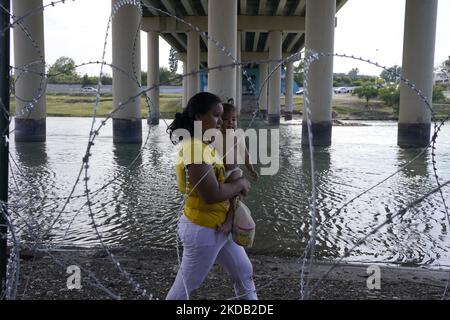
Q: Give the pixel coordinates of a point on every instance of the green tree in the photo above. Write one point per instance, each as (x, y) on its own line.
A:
(143, 78)
(438, 93)
(173, 61)
(88, 81)
(341, 81)
(446, 63)
(367, 92)
(347, 80)
(298, 73)
(85, 80)
(391, 96)
(445, 69)
(63, 71)
(168, 77)
(165, 75)
(392, 74)
(380, 82)
(106, 79)
(353, 74)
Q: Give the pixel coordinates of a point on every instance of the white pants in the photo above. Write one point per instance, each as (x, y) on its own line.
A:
(202, 246)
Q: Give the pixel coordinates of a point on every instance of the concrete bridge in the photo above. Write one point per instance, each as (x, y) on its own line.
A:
(250, 30)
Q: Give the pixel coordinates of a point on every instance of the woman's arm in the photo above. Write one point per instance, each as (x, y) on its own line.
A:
(202, 177)
(249, 165)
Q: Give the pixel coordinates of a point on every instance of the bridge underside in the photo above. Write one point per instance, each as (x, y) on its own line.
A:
(214, 33)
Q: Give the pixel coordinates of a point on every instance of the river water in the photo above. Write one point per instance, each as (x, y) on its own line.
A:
(135, 203)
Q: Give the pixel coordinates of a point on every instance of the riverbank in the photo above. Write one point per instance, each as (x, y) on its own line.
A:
(276, 278)
(344, 106)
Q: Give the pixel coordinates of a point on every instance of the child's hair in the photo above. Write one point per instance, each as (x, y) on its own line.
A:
(199, 103)
(228, 107)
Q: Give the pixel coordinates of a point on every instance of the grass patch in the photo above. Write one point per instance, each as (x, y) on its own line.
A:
(170, 96)
(83, 105)
(345, 107)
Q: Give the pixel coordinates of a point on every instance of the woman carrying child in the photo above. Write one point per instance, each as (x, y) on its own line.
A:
(207, 203)
(232, 148)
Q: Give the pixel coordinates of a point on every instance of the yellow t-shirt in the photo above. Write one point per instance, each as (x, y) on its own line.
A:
(194, 151)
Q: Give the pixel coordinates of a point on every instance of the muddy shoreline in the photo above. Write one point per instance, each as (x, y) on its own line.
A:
(43, 277)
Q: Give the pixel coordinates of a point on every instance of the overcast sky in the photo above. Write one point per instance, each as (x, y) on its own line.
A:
(369, 28)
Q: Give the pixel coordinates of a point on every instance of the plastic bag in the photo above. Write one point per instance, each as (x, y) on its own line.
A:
(243, 231)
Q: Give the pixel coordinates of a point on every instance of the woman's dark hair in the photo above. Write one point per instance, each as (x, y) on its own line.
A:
(198, 104)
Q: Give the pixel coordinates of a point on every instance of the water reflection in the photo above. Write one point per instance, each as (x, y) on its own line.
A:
(31, 155)
(322, 160)
(325, 197)
(34, 176)
(412, 234)
(33, 182)
(160, 215)
(126, 199)
(126, 155)
(419, 167)
(139, 207)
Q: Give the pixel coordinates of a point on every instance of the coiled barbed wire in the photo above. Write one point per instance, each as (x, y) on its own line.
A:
(97, 132)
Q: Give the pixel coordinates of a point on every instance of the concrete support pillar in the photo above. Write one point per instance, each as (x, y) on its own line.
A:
(238, 101)
(185, 86)
(30, 120)
(288, 97)
(263, 90)
(127, 121)
(222, 82)
(417, 66)
(193, 63)
(320, 21)
(153, 75)
(275, 79)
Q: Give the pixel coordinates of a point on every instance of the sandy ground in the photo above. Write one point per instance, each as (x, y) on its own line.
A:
(276, 278)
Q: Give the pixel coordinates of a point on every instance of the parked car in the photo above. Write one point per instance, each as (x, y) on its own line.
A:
(89, 89)
(299, 91)
(342, 90)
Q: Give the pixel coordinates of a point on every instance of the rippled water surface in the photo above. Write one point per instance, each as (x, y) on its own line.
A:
(135, 203)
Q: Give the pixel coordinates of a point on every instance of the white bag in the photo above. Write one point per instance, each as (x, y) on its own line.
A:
(243, 226)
